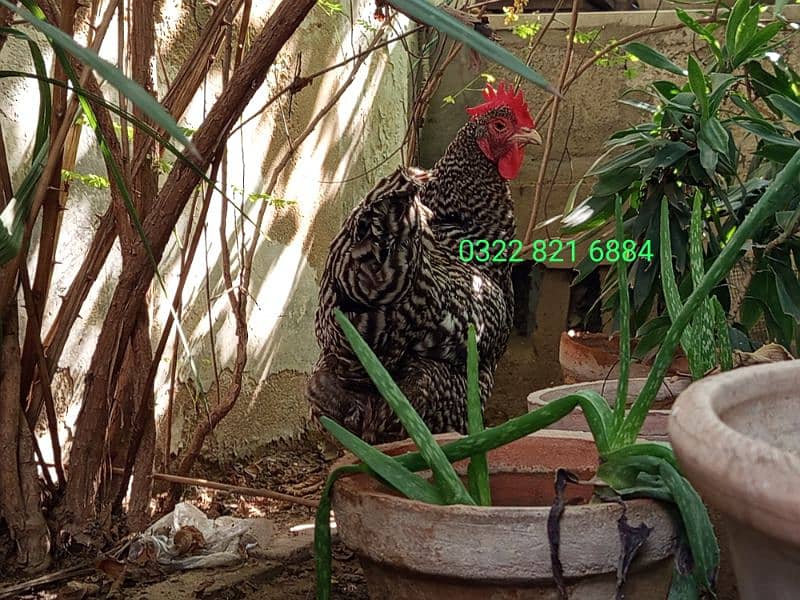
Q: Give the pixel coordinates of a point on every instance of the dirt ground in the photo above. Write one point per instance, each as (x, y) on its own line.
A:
(280, 569)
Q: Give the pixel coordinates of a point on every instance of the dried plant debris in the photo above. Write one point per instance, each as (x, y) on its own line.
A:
(631, 540)
(768, 353)
(554, 528)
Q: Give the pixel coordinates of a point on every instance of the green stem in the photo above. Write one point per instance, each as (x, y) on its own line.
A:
(624, 322)
(478, 470)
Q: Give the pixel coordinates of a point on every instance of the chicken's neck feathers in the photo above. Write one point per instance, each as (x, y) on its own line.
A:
(466, 193)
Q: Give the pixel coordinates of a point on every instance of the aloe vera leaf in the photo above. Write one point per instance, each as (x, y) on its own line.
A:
(478, 470)
(598, 415)
(624, 321)
(447, 480)
(776, 194)
(404, 481)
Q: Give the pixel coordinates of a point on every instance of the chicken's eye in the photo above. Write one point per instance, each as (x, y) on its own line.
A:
(499, 126)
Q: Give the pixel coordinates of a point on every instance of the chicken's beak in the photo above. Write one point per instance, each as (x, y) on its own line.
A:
(527, 136)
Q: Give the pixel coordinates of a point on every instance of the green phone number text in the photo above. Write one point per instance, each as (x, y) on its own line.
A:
(552, 251)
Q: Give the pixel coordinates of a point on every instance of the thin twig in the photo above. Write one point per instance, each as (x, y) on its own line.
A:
(551, 126)
(299, 83)
(236, 489)
(610, 48)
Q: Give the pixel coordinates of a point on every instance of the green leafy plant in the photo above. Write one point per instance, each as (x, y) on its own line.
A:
(691, 157)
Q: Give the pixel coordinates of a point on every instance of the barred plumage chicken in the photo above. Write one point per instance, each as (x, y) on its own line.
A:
(395, 271)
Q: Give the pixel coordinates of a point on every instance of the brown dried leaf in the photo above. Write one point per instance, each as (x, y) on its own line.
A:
(111, 567)
(188, 540)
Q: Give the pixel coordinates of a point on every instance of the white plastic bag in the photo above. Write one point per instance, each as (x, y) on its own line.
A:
(225, 540)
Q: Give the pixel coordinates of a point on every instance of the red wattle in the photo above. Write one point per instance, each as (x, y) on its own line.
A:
(510, 163)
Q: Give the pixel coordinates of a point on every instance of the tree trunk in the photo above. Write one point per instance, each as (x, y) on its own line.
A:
(20, 492)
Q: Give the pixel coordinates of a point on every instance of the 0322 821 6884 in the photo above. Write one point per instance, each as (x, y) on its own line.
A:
(553, 250)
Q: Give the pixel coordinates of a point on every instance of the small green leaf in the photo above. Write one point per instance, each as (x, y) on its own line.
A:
(703, 32)
(788, 291)
(697, 81)
(767, 132)
(720, 82)
(787, 106)
(652, 57)
(589, 214)
(734, 19)
(625, 160)
(715, 134)
(755, 46)
(667, 155)
(708, 157)
(611, 183)
(746, 31)
(666, 89)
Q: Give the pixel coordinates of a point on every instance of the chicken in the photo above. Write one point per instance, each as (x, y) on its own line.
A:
(395, 271)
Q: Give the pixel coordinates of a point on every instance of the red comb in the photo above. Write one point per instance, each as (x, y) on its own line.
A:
(503, 96)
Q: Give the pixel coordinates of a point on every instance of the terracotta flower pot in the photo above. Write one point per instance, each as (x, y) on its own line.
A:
(589, 356)
(737, 438)
(415, 551)
(655, 424)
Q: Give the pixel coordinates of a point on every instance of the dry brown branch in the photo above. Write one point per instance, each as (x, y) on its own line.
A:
(6, 189)
(539, 39)
(298, 83)
(239, 302)
(140, 449)
(19, 484)
(15, 590)
(551, 125)
(50, 221)
(176, 101)
(41, 363)
(236, 489)
(77, 506)
(423, 101)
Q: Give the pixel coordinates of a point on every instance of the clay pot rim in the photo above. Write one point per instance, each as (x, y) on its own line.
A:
(535, 398)
(393, 499)
(723, 463)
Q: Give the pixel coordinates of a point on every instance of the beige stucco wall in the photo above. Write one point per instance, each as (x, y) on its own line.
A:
(325, 179)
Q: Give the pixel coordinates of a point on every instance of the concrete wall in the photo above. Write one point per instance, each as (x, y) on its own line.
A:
(327, 176)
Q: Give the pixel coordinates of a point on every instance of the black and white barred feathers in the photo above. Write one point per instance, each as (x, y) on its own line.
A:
(394, 270)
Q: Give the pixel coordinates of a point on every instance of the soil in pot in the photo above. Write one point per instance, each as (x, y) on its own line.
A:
(411, 550)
